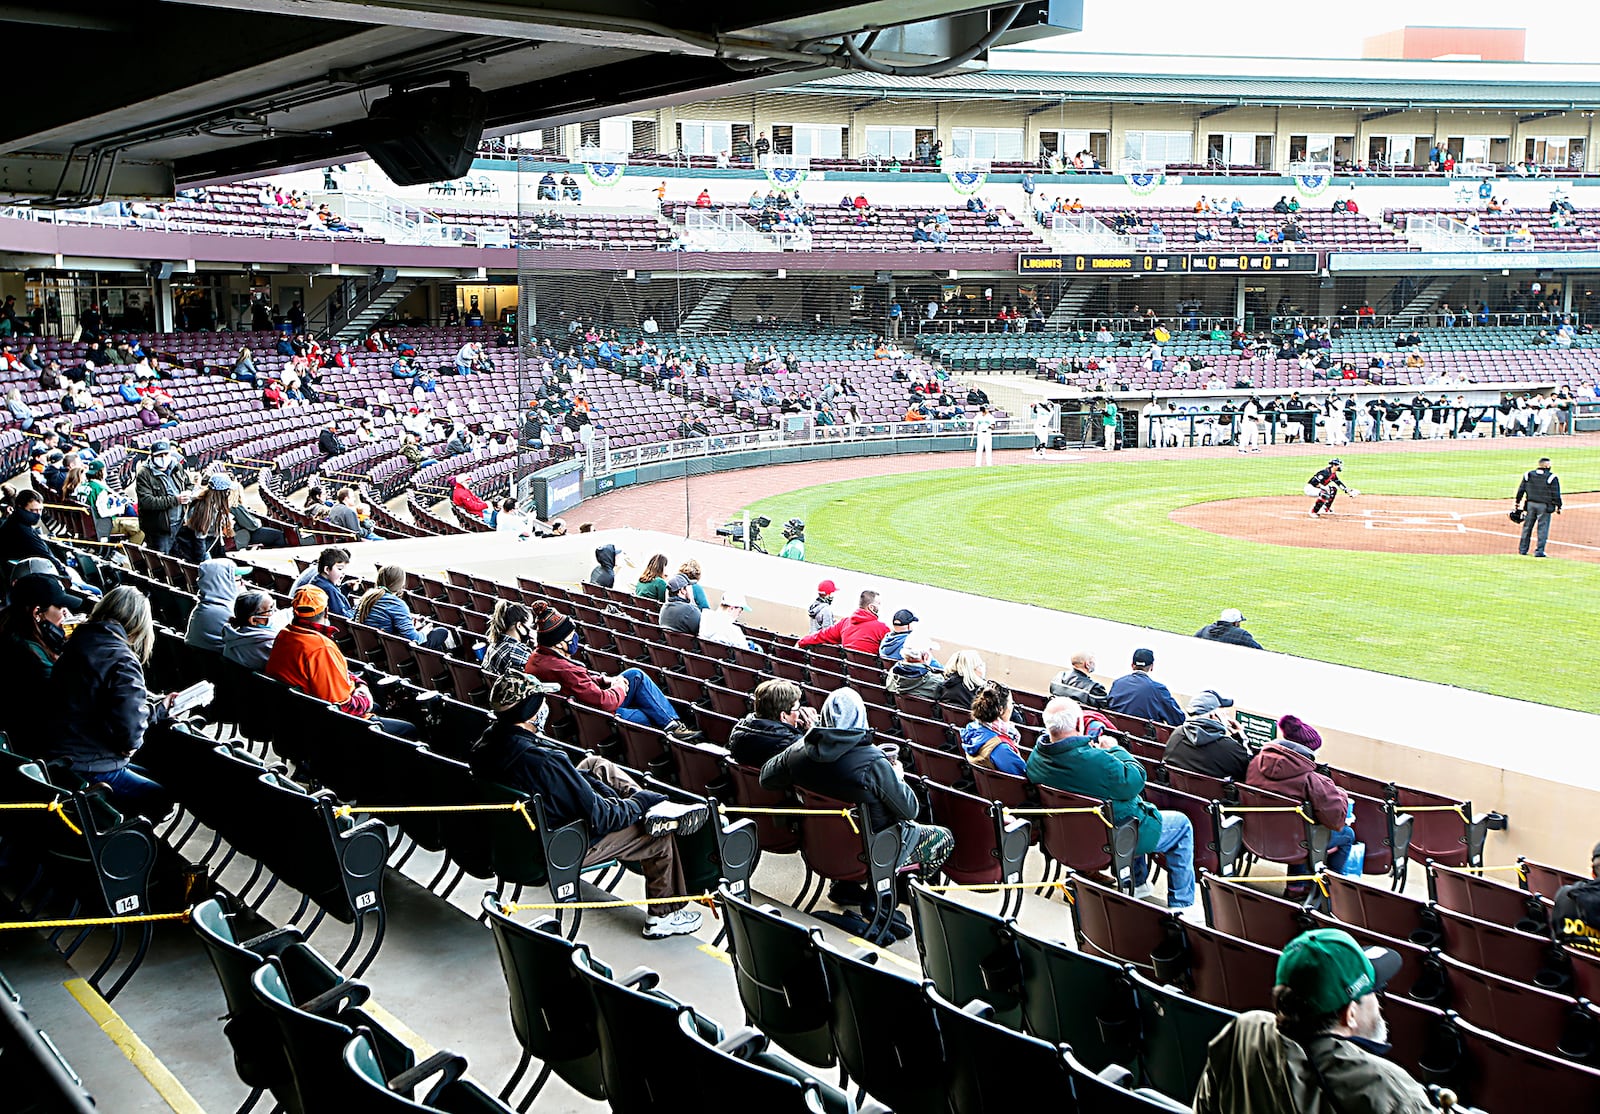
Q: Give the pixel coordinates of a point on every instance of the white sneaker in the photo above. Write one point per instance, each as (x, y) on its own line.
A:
(1144, 891)
(675, 816)
(679, 922)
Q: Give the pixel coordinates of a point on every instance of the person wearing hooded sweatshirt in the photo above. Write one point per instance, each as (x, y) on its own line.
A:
(305, 657)
(862, 631)
(1229, 628)
(837, 758)
(780, 719)
(625, 821)
(991, 739)
(630, 695)
(218, 586)
(604, 572)
(916, 673)
(1095, 765)
(821, 609)
(1288, 765)
(248, 637)
(1205, 743)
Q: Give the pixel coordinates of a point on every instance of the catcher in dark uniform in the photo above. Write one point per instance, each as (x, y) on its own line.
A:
(1325, 486)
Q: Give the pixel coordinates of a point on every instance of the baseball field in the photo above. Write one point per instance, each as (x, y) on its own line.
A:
(1412, 578)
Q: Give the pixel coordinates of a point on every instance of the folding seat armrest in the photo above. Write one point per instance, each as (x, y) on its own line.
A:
(743, 1042)
(274, 942)
(1116, 1075)
(336, 999)
(448, 1066)
(641, 978)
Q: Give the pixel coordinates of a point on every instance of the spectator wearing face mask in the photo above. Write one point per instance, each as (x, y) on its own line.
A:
(162, 486)
(630, 695)
(20, 536)
(31, 639)
(247, 639)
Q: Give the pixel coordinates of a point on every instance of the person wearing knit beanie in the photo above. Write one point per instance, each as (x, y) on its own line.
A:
(1297, 730)
(630, 695)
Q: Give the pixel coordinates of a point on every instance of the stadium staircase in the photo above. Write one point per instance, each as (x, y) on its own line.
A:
(1428, 297)
(711, 310)
(381, 298)
(1075, 296)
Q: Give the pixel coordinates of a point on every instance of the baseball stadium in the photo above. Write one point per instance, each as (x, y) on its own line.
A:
(850, 558)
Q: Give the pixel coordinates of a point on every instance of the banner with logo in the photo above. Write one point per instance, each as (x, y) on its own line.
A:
(786, 171)
(1311, 180)
(966, 176)
(604, 169)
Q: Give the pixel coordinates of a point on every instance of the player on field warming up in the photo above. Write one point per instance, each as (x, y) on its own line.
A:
(1325, 486)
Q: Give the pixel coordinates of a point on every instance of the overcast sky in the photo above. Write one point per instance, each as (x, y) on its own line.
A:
(1560, 32)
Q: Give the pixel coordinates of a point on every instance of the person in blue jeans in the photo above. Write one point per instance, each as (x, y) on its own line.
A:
(1090, 762)
(630, 695)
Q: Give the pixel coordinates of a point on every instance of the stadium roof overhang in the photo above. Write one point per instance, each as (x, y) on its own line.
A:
(1371, 93)
(182, 92)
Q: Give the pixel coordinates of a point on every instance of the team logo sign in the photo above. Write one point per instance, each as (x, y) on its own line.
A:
(1141, 183)
(966, 176)
(604, 174)
(786, 170)
(1312, 185)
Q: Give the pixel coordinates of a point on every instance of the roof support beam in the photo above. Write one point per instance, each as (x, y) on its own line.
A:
(1381, 113)
(1531, 117)
(1216, 110)
(39, 177)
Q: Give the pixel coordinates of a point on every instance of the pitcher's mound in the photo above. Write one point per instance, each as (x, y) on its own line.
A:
(1395, 524)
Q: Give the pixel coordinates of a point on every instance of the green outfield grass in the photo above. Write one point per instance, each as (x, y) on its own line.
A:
(1096, 539)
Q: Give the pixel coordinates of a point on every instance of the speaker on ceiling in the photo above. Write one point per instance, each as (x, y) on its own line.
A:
(417, 136)
(388, 274)
(159, 270)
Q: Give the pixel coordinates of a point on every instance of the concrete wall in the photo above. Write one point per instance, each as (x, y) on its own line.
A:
(1530, 761)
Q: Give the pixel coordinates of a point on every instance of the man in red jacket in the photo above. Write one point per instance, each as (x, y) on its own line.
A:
(862, 631)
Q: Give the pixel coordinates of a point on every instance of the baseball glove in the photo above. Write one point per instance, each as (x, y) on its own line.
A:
(1516, 514)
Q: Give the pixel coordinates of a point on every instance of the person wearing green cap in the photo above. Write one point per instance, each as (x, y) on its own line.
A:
(1321, 1051)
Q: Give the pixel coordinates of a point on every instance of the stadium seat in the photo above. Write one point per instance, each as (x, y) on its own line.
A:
(1499, 1074)
(1086, 842)
(1110, 923)
(993, 1067)
(552, 1014)
(1245, 912)
(1071, 997)
(1284, 834)
(1355, 902)
(1228, 971)
(1536, 1018)
(967, 953)
(885, 1033)
(990, 846)
(1218, 842)
(1503, 951)
(1488, 900)
(780, 977)
(1175, 1032)
(364, 1087)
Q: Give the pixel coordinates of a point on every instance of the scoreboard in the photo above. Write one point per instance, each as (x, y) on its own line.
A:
(1140, 263)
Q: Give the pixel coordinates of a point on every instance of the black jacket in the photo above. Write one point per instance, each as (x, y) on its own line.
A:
(98, 701)
(605, 573)
(1231, 633)
(1540, 486)
(1204, 746)
(956, 692)
(1080, 687)
(20, 541)
(843, 763)
(755, 741)
(509, 755)
(329, 444)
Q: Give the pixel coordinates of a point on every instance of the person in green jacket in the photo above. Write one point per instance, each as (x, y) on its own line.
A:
(1094, 765)
(652, 583)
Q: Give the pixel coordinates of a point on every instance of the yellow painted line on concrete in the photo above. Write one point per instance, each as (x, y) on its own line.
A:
(138, 1053)
(400, 1029)
(910, 965)
(717, 953)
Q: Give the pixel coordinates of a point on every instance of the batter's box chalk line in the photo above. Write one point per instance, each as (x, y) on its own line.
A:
(1415, 526)
(1418, 516)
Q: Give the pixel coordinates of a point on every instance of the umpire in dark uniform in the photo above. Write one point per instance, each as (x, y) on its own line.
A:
(1538, 496)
